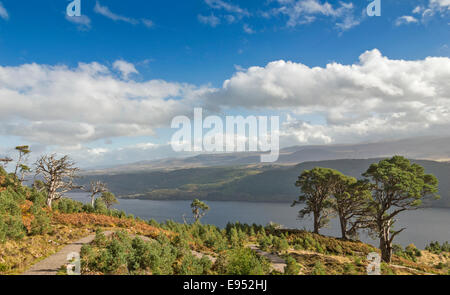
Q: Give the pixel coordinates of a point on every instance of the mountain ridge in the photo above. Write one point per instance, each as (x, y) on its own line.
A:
(423, 148)
(274, 183)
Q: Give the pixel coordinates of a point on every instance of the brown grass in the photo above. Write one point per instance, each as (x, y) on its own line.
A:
(102, 221)
(17, 256)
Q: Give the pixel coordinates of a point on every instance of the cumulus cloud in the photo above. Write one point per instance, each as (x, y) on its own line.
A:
(406, 19)
(58, 105)
(125, 68)
(434, 7)
(376, 96)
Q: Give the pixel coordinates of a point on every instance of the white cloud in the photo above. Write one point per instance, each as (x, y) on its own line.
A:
(348, 22)
(125, 68)
(219, 4)
(418, 10)
(301, 12)
(58, 105)
(375, 98)
(148, 23)
(83, 22)
(210, 20)
(105, 11)
(435, 7)
(3, 12)
(445, 4)
(224, 11)
(248, 29)
(406, 19)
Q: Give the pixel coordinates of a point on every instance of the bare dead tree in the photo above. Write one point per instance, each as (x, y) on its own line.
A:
(58, 175)
(96, 188)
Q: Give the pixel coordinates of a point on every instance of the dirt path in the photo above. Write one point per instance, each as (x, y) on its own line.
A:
(201, 255)
(278, 263)
(52, 264)
(413, 270)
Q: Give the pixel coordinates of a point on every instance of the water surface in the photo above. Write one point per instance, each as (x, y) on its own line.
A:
(423, 226)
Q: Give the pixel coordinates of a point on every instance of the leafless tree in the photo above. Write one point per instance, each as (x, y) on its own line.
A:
(58, 175)
(96, 188)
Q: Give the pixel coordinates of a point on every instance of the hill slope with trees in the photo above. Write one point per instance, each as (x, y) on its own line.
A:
(246, 183)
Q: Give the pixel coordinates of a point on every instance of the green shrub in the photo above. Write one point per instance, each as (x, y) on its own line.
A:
(437, 248)
(88, 208)
(292, 266)
(68, 206)
(244, 261)
(11, 224)
(349, 269)
(100, 207)
(41, 221)
(191, 265)
(319, 269)
(410, 252)
(280, 244)
(120, 254)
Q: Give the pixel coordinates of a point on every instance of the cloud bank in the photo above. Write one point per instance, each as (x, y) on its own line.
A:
(375, 98)
(58, 105)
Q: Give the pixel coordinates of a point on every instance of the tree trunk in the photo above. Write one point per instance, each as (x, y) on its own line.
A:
(93, 200)
(49, 202)
(343, 227)
(316, 223)
(386, 245)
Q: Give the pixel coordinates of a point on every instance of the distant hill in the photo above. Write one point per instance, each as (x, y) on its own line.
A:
(274, 183)
(425, 148)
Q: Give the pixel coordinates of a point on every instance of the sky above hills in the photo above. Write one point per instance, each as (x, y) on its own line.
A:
(105, 86)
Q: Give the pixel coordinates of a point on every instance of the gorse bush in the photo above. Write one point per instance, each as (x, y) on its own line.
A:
(292, 266)
(280, 244)
(319, 269)
(41, 221)
(11, 224)
(410, 252)
(121, 254)
(437, 248)
(242, 261)
(68, 206)
(100, 207)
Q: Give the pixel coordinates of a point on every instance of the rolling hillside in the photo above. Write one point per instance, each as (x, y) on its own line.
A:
(244, 183)
(425, 148)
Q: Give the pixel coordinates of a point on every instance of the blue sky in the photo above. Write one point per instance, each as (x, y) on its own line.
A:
(200, 44)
